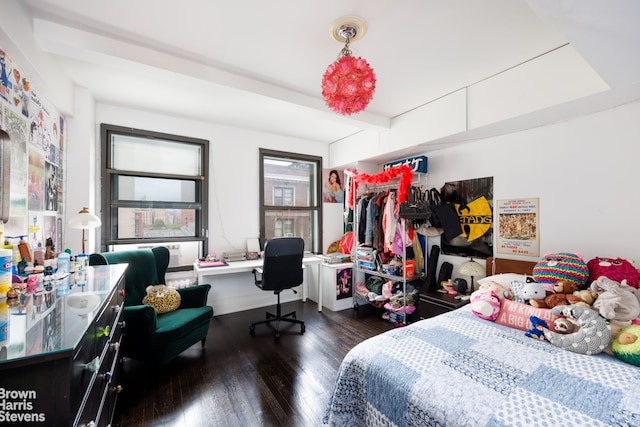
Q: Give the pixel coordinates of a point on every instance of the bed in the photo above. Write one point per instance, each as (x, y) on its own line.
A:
(456, 369)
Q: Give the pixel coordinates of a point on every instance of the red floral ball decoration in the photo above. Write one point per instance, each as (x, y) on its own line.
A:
(348, 85)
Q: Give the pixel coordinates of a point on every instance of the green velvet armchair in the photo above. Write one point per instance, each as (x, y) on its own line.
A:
(147, 336)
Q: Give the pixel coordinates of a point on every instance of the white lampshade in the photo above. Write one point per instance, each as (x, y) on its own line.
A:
(84, 220)
(471, 268)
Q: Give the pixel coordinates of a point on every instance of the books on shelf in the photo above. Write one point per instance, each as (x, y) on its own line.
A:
(336, 258)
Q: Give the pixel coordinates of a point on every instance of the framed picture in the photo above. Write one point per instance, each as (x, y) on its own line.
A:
(473, 200)
(518, 232)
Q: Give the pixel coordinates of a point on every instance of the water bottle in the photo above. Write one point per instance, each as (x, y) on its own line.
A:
(64, 263)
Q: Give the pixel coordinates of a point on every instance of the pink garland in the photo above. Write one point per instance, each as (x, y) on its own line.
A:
(406, 175)
(348, 85)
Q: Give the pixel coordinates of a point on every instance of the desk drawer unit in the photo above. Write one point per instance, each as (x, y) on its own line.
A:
(101, 364)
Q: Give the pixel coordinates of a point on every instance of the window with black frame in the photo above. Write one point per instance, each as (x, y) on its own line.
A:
(291, 197)
(155, 186)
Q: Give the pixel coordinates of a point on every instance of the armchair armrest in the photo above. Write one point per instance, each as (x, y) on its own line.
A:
(140, 320)
(194, 296)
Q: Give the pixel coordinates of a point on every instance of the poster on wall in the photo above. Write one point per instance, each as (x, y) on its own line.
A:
(472, 199)
(518, 232)
(344, 283)
(332, 189)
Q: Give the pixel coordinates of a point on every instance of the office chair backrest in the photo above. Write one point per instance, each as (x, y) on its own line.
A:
(282, 267)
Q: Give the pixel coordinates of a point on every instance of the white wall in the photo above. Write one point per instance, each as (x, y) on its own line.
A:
(233, 192)
(233, 168)
(585, 172)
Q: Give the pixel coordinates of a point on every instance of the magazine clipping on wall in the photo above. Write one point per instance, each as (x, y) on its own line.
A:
(473, 200)
(332, 187)
(518, 232)
(344, 283)
(36, 131)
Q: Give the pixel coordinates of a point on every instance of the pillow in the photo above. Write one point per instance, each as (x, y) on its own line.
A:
(503, 279)
(516, 315)
(162, 298)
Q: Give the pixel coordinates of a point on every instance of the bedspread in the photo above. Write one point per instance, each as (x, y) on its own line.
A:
(459, 370)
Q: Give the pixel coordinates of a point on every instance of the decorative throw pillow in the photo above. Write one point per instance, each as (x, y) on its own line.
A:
(516, 315)
(163, 298)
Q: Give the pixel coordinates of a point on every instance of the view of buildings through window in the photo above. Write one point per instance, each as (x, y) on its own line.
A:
(290, 197)
(146, 208)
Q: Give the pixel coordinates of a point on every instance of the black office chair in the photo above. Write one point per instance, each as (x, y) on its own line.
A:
(281, 269)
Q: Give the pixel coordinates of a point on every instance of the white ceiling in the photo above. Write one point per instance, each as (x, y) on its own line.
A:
(258, 64)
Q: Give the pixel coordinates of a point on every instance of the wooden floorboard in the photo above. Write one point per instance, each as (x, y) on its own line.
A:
(248, 380)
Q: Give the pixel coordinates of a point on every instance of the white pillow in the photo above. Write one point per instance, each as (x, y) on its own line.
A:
(504, 279)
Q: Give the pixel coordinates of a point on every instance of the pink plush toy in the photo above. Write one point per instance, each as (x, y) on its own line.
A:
(485, 304)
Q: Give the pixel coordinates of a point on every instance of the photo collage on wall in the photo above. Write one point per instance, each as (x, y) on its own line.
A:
(37, 133)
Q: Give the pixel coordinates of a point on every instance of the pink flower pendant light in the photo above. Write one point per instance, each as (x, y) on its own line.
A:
(348, 83)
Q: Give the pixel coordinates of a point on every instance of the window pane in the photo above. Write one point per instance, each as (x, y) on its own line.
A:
(155, 155)
(286, 223)
(158, 189)
(288, 182)
(138, 223)
(180, 253)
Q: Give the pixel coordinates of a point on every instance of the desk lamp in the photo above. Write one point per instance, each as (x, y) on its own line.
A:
(471, 268)
(84, 220)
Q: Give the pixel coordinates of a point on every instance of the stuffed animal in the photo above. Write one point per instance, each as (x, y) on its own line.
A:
(533, 290)
(591, 337)
(616, 269)
(565, 267)
(626, 345)
(563, 295)
(616, 302)
(485, 304)
(564, 325)
(586, 297)
(537, 328)
(499, 289)
(163, 298)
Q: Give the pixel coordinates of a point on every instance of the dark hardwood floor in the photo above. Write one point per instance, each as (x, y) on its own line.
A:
(245, 380)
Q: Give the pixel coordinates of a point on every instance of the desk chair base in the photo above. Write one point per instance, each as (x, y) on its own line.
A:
(278, 317)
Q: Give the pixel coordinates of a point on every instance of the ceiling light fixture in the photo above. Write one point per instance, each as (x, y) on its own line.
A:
(348, 83)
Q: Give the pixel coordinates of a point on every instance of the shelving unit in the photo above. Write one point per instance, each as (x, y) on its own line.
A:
(360, 273)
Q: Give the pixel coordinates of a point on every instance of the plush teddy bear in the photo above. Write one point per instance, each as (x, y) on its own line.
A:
(163, 298)
(563, 295)
(616, 302)
(586, 297)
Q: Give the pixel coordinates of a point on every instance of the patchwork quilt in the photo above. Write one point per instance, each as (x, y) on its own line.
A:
(459, 370)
